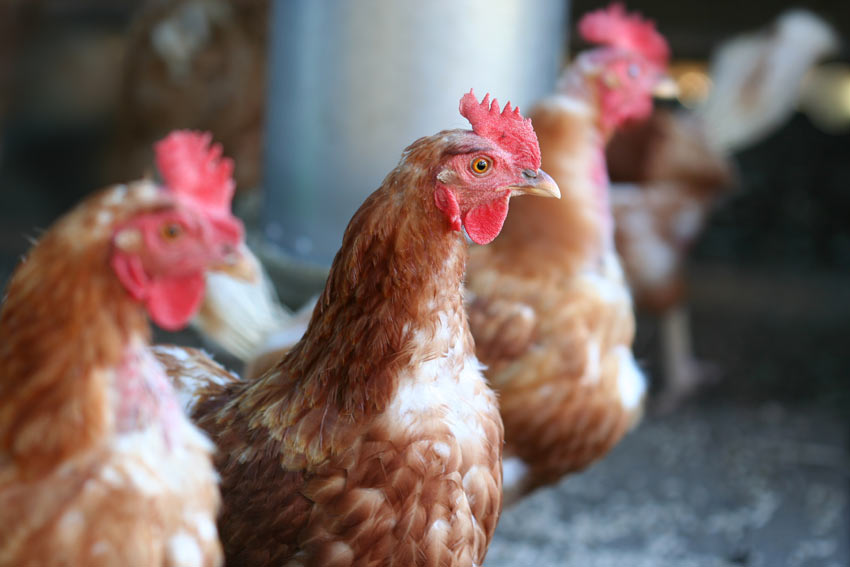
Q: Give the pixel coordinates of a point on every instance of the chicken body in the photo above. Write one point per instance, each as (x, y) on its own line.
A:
(400, 457)
(418, 484)
(98, 465)
(375, 441)
(551, 313)
(673, 170)
(548, 302)
(674, 179)
(410, 471)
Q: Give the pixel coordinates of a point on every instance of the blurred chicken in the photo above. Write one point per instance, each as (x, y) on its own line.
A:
(194, 64)
(98, 465)
(246, 319)
(375, 441)
(757, 79)
(201, 64)
(549, 307)
(676, 166)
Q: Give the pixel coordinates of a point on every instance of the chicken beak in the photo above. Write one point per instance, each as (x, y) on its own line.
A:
(666, 88)
(239, 264)
(537, 183)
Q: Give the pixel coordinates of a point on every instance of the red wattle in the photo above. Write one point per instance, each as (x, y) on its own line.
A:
(172, 302)
(484, 222)
(447, 203)
(131, 274)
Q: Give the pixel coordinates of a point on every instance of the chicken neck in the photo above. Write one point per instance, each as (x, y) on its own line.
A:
(68, 333)
(399, 270)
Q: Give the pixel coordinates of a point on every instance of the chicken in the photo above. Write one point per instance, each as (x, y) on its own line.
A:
(246, 320)
(757, 78)
(202, 64)
(98, 465)
(676, 178)
(675, 167)
(194, 64)
(548, 304)
(376, 441)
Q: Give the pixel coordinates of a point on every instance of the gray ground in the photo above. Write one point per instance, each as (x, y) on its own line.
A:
(714, 485)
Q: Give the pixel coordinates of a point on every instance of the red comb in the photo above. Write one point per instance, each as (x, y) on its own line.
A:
(615, 28)
(192, 167)
(507, 128)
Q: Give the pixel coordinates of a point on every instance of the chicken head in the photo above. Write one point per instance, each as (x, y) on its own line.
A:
(498, 159)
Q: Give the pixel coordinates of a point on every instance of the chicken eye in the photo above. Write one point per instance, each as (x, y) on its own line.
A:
(171, 231)
(480, 165)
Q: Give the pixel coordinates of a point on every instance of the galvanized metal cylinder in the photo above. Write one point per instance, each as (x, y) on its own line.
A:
(354, 82)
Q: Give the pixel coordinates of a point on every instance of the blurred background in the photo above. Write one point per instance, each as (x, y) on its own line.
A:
(315, 101)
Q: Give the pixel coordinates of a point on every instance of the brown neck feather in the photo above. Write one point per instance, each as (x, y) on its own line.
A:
(399, 265)
(65, 322)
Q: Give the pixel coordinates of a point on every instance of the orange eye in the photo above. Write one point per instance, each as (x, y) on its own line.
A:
(480, 165)
(171, 231)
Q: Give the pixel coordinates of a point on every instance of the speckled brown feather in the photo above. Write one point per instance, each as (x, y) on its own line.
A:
(193, 373)
(547, 290)
(321, 464)
(78, 486)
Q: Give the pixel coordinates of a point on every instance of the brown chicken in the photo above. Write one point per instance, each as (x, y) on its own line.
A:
(549, 307)
(376, 441)
(674, 169)
(98, 465)
(676, 178)
(194, 64)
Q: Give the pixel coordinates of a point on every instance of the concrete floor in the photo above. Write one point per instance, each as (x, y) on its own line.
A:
(714, 485)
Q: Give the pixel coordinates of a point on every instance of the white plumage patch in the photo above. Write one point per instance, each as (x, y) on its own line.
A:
(449, 383)
(608, 282)
(569, 104)
(593, 366)
(631, 382)
(116, 195)
(655, 261)
(104, 217)
(514, 471)
(454, 396)
(184, 551)
(203, 525)
(192, 378)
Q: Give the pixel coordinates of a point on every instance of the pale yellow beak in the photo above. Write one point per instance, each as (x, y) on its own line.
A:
(666, 88)
(239, 264)
(539, 184)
